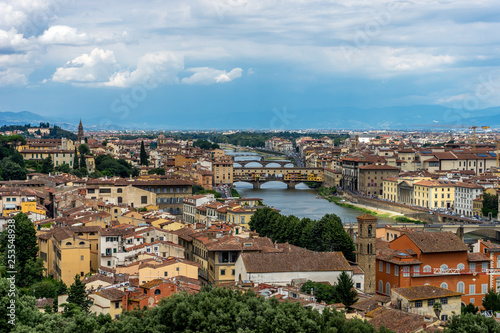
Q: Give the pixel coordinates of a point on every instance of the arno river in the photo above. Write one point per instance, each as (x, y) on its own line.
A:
(301, 202)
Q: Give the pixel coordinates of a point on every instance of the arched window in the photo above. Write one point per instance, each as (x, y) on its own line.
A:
(119, 190)
(461, 287)
(444, 268)
(388, 288)
(381, 286)
(370, 230)
(427, 269)
(81, 243)
(461, 266)
(69, 243)
(157, 292)
(444, 285)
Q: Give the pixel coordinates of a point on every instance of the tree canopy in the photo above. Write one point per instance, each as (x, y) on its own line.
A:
(327, 234)
(211, 310)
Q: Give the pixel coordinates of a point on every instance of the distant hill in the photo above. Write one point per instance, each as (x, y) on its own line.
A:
(394, 117)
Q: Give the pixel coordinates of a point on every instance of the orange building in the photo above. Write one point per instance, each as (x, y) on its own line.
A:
(438, 259)
(148, 294)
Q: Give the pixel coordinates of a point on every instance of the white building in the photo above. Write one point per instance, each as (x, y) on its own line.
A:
(465, 193)
(281, 268)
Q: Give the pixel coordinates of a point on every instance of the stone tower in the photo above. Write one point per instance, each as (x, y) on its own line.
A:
(80, 132)
(367, 235)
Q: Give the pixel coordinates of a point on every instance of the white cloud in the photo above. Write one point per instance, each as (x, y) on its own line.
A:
(152, 69)
(62, 34)
(96, 67)
(13, 40)
(12, 78)
(208, 75)
(99, 68)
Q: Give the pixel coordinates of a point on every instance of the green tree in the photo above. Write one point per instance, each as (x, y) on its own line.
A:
(28, 266)
(470, 308)
(491, 301)
(11, 171)
(47, 165)
(64, 168)
(84, 149)
(437, 307)
(345, 290)
(490, 204)
(83, 162)
(78, 295)
(157, 171)
(143, 155)
(472, 323)
(76, 164)
(323, 292)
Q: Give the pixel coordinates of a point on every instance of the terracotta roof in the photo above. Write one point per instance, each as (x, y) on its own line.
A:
(111, 294)
(377, 167)
(295, 262)
(366, 305)
(476, 257)
(415, 293)
(432, 242)
(396, 320)
(152, 283)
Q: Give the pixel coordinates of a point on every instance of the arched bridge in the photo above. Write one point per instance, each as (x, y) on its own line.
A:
(264, 164)
(289, 176)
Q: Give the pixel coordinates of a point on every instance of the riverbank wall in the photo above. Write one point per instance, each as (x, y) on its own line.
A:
(416, 213)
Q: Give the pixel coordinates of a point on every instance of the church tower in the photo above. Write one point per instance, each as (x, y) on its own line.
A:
(367, 235)
(80, 132)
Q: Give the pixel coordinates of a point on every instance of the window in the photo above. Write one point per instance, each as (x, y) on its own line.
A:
(427, 269)
(105, 190)
(472, 289)
(472, 300)
(431, 302)
(119, 190)
(416, 270)
(444, 268)
(222, 272)
(388, 288)
(165, 274)
(380, 266)
(109, 263)
(117, 305)
(485, 266)
(144, 199)
(406, 271)
(444, 285)
(418, 304)
(380, 286)
(484, 288)
(358, 285)
(461, 287)
(396, 270)
(157, 292)
(472, 266)
(461, 266)
(82, 258)
(233, 272)
(444, 300)
(388, 268)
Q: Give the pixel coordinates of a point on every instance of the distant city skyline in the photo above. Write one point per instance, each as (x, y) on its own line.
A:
(256, 64)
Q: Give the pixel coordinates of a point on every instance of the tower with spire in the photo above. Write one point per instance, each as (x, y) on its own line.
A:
(80, 131)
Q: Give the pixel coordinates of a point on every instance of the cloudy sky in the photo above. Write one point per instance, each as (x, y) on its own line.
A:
(175, 62)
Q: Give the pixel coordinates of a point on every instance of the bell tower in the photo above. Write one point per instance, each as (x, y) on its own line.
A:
(80, 132)
(367, 235)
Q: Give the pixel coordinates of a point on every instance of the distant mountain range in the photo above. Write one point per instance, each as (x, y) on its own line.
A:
(395, 117)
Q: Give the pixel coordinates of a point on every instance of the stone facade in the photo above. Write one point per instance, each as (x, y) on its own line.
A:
(367, 235)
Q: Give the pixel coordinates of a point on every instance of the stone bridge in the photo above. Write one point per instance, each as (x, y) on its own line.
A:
(263, 164)
(289, 176)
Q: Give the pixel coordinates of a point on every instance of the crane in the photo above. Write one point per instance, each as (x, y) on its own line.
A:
(473, 128)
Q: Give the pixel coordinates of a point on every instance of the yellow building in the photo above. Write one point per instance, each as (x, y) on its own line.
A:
(434, 194)
(390, 189)
(71, 255)
(59, 156)
(26, 207)
(172, 267)
(107, 301)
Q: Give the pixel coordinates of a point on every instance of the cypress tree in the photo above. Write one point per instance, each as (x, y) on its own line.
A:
(76, 164)
(77, 294)
(144, 155)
